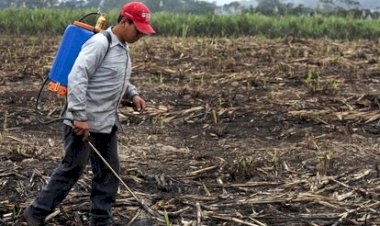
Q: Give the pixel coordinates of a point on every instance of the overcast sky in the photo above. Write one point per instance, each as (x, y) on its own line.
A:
(221, 2)
(310, 3)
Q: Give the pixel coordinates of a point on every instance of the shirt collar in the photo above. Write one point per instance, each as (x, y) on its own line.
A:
(115, 40)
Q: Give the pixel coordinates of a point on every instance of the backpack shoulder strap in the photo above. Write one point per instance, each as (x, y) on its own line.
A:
(109, 38)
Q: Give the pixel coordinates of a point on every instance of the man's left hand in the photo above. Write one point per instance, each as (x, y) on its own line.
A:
(139, 103)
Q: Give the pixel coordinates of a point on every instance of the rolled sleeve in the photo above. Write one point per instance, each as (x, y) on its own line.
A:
(79, 115)
(130, 92)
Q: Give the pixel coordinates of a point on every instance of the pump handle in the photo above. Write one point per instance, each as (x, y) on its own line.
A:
(85, 16)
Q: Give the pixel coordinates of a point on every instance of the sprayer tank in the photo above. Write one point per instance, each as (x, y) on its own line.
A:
(73, 38)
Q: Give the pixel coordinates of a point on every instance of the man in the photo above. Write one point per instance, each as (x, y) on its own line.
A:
(96, 84)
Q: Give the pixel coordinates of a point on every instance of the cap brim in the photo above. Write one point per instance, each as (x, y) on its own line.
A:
(144, 28)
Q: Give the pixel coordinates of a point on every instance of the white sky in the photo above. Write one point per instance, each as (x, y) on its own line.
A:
(220, 2)
(369, 4)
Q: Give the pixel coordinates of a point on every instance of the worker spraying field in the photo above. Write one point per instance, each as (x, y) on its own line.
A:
(92, 70)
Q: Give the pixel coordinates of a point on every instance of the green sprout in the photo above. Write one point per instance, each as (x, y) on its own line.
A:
(214, 116)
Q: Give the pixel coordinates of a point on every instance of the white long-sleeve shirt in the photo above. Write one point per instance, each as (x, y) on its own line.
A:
(98, 81)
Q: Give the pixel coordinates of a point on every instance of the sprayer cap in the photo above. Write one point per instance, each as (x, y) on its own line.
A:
(139, 13)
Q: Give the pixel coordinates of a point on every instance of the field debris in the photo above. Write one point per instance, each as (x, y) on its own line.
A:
(245, 131)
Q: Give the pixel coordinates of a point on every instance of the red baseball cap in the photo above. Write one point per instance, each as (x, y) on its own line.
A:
(140, 15)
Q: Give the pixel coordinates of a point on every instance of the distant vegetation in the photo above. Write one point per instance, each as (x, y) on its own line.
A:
(54, 21)
(265, 7)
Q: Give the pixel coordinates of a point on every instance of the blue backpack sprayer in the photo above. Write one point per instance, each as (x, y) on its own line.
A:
(74, 37)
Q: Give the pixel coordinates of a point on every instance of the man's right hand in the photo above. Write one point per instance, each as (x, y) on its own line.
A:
(81, 128)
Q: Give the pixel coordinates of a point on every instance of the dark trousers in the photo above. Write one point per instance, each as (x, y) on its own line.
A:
(104, 183)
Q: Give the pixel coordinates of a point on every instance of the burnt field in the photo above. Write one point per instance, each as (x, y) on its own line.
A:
(245, 131)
